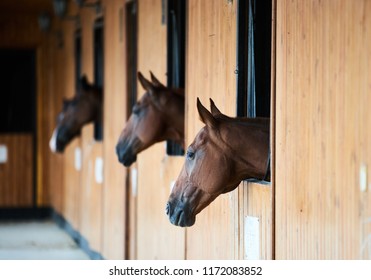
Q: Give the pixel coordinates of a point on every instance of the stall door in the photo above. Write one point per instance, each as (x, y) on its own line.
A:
(17, 128)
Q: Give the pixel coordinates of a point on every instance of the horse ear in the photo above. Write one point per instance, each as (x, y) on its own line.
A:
(206, 117)
(214, 110)
(147, 85)
(66, 102)
(84, 82)
(155, 81)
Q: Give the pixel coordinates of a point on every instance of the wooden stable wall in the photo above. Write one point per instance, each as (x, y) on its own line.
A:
(93, 209)
(156, 238)
(17, 173)
(322, 133)
(219, 232)
(19, 30)
(114, 188)
(323, 129)
(211, 63)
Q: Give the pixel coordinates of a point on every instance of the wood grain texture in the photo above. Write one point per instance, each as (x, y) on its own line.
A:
(211, 64)
(114, 190)
(322, 129)
(72, 176)
(54, 171)
(90, 191)
(19, 31)
(17, 174)
(156, 237)
(91, 202)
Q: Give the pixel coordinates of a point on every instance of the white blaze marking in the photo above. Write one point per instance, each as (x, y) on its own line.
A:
(53, 141)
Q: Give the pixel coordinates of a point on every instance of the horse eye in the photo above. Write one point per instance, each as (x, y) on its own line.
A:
(136, 110)
(190, 155)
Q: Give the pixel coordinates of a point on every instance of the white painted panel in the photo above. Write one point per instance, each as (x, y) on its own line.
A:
(78, 159)
(134, 181)
(98, 171)
(3, 154)
(251, 239)
(363, 178)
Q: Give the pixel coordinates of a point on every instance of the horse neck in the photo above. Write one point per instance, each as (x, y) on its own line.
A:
(248, 145)
(96, 101)
(174, 117)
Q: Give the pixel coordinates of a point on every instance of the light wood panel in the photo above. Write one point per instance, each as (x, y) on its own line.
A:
(256, 201)
(156, 237)
(91, 202)
(211, 64)
(17, 174)
(91, 191)
(72, 176)
(114, 191)
(53, 175)
(323, 129)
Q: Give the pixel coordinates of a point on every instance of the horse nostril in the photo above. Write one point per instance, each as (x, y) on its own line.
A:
(167, 209)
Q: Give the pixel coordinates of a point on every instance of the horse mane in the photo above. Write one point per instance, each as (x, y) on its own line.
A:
(245, 121)
(178, 91)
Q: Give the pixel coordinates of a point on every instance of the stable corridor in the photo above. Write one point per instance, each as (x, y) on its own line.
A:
(37, 240)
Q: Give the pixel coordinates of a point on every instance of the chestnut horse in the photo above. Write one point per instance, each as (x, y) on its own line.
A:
(157, 116)
(85, 107)
(225, 152)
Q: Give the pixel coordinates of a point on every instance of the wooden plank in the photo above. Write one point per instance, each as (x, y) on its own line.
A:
(19, 31)
(72, 175)
(90, 191)
(323, 86)
(156, 237)
(255, 199)
(211, 64)
(54, 177)
(114, 191)
(17, 173)
(91, 202)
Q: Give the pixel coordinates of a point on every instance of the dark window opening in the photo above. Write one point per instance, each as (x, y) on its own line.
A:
(176, 23)
(99, 69)
(131, 18)
(254, 58)
(18, 93)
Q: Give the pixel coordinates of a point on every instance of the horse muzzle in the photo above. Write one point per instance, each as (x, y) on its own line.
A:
(179, 214)
(125, 155)
(57, 142)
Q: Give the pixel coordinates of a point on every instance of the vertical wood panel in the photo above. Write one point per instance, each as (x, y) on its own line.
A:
(72, 176)
(54, 94)
(156, 237)
(90, 191)
(20, 30)
(114, 119)
(17, 174)
(211, 64)
(91, 201)
(323, 124)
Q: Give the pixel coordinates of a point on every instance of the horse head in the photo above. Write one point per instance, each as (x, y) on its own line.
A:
(224, 152)
(84, 107)
(157, 116)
